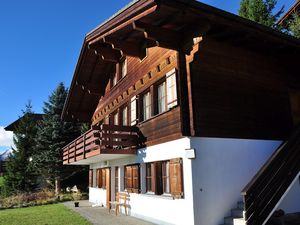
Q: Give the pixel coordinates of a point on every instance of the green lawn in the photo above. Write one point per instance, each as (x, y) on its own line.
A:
(56, 214)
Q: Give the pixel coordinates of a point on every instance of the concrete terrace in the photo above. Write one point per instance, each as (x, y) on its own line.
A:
(101, 216)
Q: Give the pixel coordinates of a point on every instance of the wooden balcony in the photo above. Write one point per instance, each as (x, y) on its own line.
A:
(103, 142)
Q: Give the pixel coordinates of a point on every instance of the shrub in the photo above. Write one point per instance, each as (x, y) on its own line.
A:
(32, 199)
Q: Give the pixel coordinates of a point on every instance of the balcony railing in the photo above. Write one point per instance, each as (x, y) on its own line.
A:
(103, 139)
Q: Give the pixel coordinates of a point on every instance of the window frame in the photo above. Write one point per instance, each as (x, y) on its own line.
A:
(172, 99)
(129, 181)
(159, 181)
(144, 107)
(122, 115)
(157, 85)
(123, 62)
(101, 178)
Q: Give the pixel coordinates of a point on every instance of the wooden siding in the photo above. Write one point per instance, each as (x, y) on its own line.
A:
(238, 93)
(140, 76)
(162, 128)
(137, 70)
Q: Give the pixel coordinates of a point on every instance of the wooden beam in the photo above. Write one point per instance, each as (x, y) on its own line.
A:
(126, 47)
(183, 95)
(191, 35)
(81, 116)
(106, 52)
(93, 37)
(91, 88)
(162, 36)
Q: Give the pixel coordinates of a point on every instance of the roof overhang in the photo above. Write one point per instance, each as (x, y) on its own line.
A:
(288, 14)
(171, 24)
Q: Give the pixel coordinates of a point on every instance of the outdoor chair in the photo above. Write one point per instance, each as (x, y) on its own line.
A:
(122, 199)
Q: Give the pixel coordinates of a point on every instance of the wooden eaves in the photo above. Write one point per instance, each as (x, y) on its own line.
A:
(288, 14)
(168, 24)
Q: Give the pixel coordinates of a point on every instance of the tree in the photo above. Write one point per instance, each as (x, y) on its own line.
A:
(260, 11)
(294, 25)
(21, 177)
(53, 134)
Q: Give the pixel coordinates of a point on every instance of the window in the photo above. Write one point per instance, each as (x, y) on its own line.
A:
(106, 120)
(149, 176)
(171, 89)
(146, 106)
(133, 111)
(132, 178)
(101, 178)
(125, 116)
(116, 119)
(161, 98)
(91, 178)
(114, 80)
(123, 67)
(165, 177)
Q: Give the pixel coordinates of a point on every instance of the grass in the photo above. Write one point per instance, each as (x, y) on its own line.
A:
(56, 214)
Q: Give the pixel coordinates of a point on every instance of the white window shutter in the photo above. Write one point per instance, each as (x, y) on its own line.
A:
(171, 89)
(133, 111)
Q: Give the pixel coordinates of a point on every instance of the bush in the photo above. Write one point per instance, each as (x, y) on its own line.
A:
(4, 188)
(32, 199)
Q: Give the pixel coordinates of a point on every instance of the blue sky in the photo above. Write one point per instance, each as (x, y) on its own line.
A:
(39, 46)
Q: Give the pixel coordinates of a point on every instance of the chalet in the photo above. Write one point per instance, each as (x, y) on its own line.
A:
(193, 113)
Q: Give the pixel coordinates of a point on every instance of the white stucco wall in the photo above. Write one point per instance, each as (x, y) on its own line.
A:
(212, 181)
(291, 201)
(221, 170)
(97, 196)
(158, 209)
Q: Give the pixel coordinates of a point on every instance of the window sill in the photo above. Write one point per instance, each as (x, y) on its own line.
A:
(152, 195)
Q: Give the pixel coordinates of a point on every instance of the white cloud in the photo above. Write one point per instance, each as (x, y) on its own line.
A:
(6, 138)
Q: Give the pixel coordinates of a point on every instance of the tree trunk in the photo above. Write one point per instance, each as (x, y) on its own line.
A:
(57, 186)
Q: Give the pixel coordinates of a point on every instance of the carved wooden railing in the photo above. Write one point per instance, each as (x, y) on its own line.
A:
(103, 139)
(267, 187)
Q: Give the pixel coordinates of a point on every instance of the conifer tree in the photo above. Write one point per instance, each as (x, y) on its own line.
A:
(21, 177)
(294, 25)
(53, 135)
(260, 11)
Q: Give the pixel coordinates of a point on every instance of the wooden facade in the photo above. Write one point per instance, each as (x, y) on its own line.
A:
(238, 93)
(227, 83)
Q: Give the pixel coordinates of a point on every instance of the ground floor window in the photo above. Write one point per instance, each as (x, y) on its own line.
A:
(132, 178)
(165, 177)
(101, 178)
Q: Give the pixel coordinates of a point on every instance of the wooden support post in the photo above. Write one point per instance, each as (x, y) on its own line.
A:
(75, 146)
(68, 154)
(182, 85)
(84, 144)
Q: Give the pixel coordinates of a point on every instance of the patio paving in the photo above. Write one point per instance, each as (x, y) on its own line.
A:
(101, 216)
